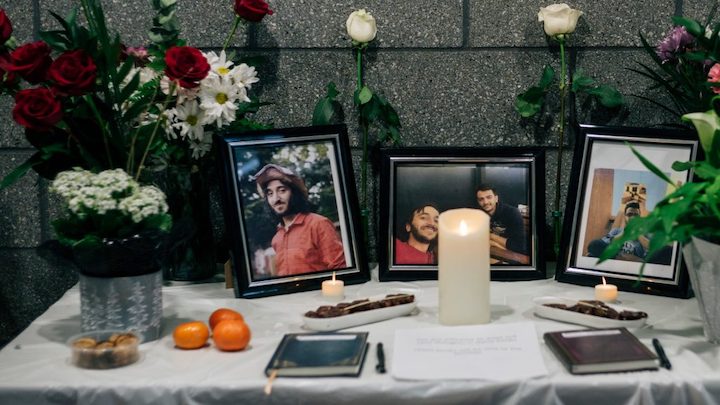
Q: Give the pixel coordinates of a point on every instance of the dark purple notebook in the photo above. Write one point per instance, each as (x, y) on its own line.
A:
(600, 350)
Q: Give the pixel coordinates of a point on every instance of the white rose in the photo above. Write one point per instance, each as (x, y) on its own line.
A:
(559, 19)
(361, 26)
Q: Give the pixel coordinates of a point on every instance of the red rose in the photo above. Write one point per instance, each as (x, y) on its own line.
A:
(187, 65)
(5, 27)
(252, 10)
(31, 61)
(37, 109)
(73, 72)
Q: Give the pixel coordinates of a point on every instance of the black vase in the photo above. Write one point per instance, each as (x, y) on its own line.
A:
(138, 254)
(191, 253)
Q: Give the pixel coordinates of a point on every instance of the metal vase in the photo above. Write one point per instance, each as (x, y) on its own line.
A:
(122, 303)
(703, 261)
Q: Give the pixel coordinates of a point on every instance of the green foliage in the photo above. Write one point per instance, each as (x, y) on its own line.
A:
(375, 109)
(692, 209)
(165, 31)
(684, 76)
(531, 101)
(606, 95)
(328, 109)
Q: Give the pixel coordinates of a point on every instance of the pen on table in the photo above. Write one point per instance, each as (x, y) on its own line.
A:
(664, 361)
(380, 367)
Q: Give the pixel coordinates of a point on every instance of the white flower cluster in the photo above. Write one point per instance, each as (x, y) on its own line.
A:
(214, 103)
(87, 193)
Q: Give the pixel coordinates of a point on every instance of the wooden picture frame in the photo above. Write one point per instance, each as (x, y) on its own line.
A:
(433, 180)
(608, 185)
(291, 210)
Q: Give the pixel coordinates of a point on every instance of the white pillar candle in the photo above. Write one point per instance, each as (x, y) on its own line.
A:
(606, 292)
(333, 289)
(464, 267)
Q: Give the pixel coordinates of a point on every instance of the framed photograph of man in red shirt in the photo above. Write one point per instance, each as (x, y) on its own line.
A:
(290, 210)
(418, 184)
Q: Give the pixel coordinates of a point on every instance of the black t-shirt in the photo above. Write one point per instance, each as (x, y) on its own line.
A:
(507, 222)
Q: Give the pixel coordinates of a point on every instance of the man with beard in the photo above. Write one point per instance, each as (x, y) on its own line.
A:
(420, 242)
(304, 242)
(507, 230)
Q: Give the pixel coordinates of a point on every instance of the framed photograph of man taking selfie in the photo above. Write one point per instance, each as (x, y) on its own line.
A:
(610, 187)
(290, 210)
(417, 185)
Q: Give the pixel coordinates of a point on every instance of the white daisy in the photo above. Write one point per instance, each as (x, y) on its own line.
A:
(199, 149)
(188, 118)
(245, 76)
(217, 98)
(219, 65)
(182, 93)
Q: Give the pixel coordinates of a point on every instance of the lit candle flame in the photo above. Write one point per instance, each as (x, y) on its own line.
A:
(604, 283)
(463, 228)
(334, 278)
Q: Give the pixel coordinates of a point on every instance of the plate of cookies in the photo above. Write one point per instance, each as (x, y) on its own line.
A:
(592, 313)
(359, 312)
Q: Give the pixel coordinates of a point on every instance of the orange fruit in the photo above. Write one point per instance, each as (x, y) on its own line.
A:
(231, 335)
(191, 335)
(223, 314)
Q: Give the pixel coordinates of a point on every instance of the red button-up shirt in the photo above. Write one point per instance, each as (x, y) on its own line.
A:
(309, 244)
(406, 254)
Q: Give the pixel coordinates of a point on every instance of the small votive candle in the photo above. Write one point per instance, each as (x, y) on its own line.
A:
(606, 292)
(333, 289)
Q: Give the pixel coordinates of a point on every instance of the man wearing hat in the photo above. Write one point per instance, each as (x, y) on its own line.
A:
(304, 241)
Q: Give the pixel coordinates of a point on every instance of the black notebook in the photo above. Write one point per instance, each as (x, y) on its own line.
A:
(319, 355)
(600, 351)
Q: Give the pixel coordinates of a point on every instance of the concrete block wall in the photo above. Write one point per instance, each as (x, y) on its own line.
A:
(451, 69)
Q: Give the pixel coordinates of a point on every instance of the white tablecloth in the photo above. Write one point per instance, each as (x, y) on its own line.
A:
(35, 367)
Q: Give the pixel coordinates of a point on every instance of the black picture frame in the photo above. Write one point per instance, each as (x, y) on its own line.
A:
(606, 178)
(319, 154)
(447, 177)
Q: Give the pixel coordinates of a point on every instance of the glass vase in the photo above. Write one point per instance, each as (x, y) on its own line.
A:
(121, 284)
(191, 252)
(702, 259)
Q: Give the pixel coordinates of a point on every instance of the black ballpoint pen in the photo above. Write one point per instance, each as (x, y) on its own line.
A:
(380, 367)
(664, 361)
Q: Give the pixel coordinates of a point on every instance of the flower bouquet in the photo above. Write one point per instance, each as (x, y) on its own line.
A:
(116, 230)
(87, 100)
(685, 65)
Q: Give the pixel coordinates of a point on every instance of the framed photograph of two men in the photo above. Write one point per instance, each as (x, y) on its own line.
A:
(609, 186)
(418, 184)
(291, 211)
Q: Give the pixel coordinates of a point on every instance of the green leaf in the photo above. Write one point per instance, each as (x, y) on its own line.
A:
(365, 95)
(682, 166)
(21, 170)
(326, 109)
(650, 165)
(332, 91)
(581, 82)
(692, 26)
(547, 77)
(56, 39)
(607, 95)
(323, 113)
(530, 102)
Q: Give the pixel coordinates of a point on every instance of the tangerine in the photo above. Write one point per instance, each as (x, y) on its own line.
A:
(222, 314)
(231, 335)
(191, 335)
